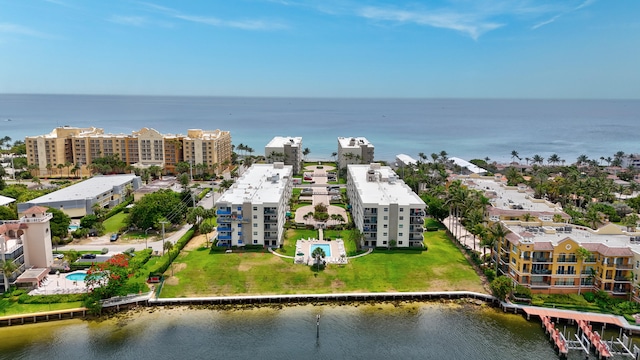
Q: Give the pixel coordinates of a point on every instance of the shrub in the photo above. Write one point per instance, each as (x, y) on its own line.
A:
(490, 274)
(522, 292)
(589, 296)
(104, 251)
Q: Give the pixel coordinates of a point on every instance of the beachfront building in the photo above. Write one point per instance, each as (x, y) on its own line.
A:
(354, 150)
(78, 199)
(210, 149)
(541, 250)
(26, 243)
(285, 149)
(71, 146)
(384, 208)
(253, 211)
(467, 167)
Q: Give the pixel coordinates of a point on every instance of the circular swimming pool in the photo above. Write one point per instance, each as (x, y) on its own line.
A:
(76, 276)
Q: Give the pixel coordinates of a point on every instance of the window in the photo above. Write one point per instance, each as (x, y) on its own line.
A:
(255, 225)
(400, 242)
(239, 208)
(384, 234)
(384, 242)
(386, 217)
(239, 233)
(255, 217)
(255, 241)
(385, 226)
(386, 209)
(401, 209)
(239, 225)
(400, 226)
(255, 208)
(399, 234)
(255, 233)
(401, 218)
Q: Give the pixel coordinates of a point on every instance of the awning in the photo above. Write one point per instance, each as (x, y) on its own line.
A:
(33, 275)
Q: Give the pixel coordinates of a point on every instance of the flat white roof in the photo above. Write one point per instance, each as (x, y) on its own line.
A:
(6, 200)
(386, 189)
(261, 183)
(406, 159)
(469, 166)
(89, 188)
(280, 141)
(346, 142)
(509, 199)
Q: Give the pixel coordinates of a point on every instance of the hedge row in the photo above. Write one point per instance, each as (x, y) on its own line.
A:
(118, 208)
(164, 264)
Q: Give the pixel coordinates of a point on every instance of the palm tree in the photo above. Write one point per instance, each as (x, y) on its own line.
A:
(537, 159)
(581, 255)
(582, 159)
(306, 152)
(318, 254)
(167, 246)
(514, 155)
(553, 159)
(8, 267)
(498, 232)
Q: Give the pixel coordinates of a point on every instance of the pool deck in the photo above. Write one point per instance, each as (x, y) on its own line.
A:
(338, 254)
(59, 284)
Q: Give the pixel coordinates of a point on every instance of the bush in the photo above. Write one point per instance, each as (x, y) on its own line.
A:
(104, 251)
(490, 274)
(522, 292)
(589, 296)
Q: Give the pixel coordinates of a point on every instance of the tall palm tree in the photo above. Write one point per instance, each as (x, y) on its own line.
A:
(581, 255)
(515, 155)
(318, 254)
(498, 232)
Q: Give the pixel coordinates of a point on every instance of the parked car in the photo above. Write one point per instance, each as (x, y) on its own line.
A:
(114, 237)
(307, 178)
(89, 256)
(58, 256)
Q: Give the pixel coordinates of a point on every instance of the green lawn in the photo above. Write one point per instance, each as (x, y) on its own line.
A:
(114, 223)
(16, 308)
(442, 267)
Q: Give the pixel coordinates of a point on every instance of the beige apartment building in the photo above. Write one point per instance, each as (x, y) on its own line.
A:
(354, 150)
(146, 147)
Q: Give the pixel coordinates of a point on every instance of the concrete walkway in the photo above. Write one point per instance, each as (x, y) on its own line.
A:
(320, 196)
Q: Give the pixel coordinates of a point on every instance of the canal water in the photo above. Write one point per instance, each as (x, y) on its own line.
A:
(372, 331)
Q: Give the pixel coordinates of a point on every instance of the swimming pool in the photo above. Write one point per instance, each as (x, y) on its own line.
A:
(77, 276)
(73, 227)
(325, 247)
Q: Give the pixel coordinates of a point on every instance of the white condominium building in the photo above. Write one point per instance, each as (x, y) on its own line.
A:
(354, 150)
(285, 149)
(253, 211)
(384, 208)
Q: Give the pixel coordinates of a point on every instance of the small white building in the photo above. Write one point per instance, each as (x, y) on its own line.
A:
(384, 208)
(77, 200)
(287, 150)
(253, 211)
(354, 150)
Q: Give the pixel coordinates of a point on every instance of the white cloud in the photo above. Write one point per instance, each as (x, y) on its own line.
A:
(129, 20)
(546, 22)
(469, 24)
(8, 28)
(246, 24)
(582, 5)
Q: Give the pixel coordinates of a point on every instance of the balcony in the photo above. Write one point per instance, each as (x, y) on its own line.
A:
(540, 284)
(416, 220)
(416, 229)
(267, 211)
(224, 237)
(622, 279)
(541, 260)
(223, 228)
(223, 212)
(541, 271)
(567, 259)
(624, 266)
(565, 272)
(270, 219)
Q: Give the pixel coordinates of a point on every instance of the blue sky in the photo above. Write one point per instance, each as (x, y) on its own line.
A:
(328, 48)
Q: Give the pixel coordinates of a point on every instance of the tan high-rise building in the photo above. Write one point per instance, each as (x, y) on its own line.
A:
(143, 148)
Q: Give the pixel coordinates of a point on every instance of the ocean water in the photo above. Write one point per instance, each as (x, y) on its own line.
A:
(466, 128)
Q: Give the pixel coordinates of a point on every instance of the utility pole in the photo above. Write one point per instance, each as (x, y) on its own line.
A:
(163, 222)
